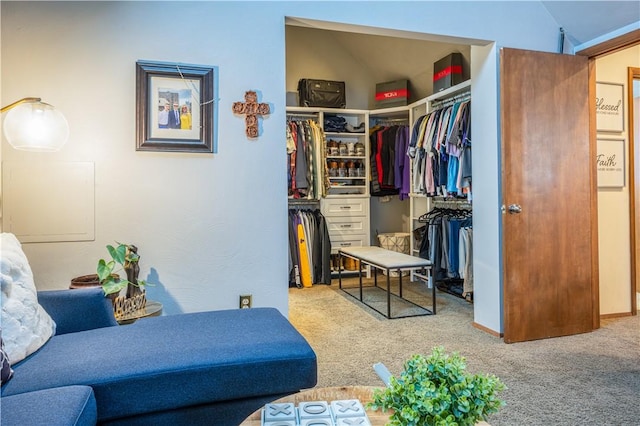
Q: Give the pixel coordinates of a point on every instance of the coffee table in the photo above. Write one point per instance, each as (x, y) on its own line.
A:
(363, 393)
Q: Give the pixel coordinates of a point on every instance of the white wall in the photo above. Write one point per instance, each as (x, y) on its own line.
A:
(211, 227)
(614, 235)
(487, 230)
(326, 60)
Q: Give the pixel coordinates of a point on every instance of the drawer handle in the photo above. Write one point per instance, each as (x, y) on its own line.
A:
(345, 207)
(345, 244)
(345, 226)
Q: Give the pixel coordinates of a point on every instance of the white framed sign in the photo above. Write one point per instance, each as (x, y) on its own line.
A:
(609, 107)
(610, 163)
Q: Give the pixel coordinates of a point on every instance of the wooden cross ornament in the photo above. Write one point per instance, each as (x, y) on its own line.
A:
(252, 110)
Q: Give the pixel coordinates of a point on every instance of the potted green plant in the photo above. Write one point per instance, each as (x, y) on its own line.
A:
(437, 390)
(126, 257)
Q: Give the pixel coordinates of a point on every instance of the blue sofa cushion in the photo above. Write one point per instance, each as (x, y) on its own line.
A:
(5, 365)
(169, 362)
(78, 310)
(69, 405)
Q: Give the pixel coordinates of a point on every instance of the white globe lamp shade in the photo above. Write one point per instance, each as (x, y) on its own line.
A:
(36, 126)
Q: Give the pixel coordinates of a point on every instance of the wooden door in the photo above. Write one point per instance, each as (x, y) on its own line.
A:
(549, 219)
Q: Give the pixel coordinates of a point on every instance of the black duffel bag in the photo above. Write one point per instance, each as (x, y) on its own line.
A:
(321, 93)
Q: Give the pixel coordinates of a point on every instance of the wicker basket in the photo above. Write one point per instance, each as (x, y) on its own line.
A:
(395, 241)
(398, 242)
(125, 306)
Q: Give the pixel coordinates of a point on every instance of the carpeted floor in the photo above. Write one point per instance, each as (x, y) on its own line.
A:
(587, 379)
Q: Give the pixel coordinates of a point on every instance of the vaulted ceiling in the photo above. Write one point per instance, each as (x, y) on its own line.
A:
(582, 22)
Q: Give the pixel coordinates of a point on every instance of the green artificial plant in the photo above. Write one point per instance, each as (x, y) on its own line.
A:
(437, 391)
(125, 256)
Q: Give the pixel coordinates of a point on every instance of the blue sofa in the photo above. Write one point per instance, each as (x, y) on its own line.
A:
(200, 368)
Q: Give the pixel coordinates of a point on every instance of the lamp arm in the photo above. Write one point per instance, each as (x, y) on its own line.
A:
(16, 103)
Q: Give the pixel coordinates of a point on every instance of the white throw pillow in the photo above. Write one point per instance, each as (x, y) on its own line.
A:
(26, 326)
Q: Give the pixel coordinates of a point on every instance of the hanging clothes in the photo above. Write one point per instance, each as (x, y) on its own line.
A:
(309, 248)
(303, 138)
(447, 243)
(402, 164)
(466, 261)
(390, 167)
(440, 146)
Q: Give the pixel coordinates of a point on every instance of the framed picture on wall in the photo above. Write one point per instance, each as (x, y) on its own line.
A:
(610, 163)
(609, 107)
(175, 107)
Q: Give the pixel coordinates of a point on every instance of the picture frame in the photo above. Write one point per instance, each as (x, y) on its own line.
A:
(609, 107)
(610, 162)
(175, 107)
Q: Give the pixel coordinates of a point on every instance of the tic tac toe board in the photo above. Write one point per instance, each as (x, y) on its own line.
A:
(348, 412)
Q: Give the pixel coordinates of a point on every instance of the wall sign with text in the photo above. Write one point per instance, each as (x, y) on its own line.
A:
(610, 163)
(609, 107)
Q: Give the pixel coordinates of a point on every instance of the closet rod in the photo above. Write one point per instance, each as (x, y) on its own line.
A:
(391, 120)
(461, 97)
(302, 203)
(302, 116)
(452, 203)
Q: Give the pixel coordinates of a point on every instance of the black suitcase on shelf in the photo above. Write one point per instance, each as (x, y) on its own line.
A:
(321, 93)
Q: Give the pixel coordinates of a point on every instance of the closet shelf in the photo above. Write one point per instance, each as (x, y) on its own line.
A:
(343, 194)
(398, 111)
(345, 134)
(348, 157)
(330, 111)
(453, 90)
(421, 276)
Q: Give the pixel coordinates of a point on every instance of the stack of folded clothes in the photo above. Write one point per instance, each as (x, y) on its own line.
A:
(338, 124)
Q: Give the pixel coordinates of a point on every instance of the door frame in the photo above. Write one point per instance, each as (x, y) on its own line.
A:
(613, 45)
(633, 74)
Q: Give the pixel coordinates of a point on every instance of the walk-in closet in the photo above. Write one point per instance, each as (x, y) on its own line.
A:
(372, 171)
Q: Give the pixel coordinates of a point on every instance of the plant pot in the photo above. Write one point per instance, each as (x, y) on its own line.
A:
(85, 281)
(91, 280)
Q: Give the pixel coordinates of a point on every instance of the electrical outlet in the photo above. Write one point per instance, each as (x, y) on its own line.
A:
(245, 301)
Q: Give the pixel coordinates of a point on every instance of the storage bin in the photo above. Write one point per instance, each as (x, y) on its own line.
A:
(398, 242)
(392, 94)
(395, 241)
(447, 72)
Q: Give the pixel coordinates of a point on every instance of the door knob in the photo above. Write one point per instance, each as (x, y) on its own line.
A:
(515, 208)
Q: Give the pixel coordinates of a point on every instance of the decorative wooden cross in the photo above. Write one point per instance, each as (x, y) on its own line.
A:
(252, 110)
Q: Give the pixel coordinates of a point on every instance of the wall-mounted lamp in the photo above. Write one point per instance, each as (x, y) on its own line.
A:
(33, 125)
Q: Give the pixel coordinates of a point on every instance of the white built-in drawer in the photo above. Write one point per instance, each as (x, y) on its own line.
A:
(343, 241)
(346, 224)
(345, 207)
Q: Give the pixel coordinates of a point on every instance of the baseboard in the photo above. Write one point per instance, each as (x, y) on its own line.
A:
(618, 315)
(487, 330)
